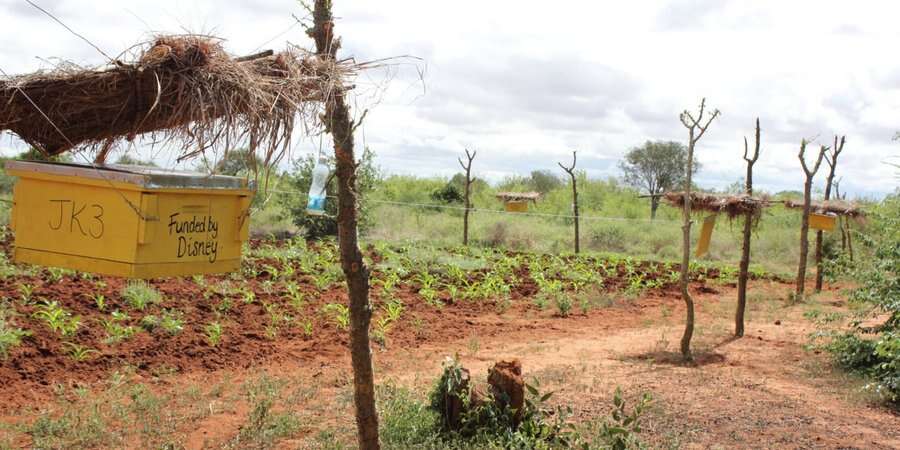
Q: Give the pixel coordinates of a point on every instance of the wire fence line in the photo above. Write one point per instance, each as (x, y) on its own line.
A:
(491, 211)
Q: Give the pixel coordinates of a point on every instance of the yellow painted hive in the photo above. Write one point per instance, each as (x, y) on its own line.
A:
(516, 205)
(822, 222)
(129, 221)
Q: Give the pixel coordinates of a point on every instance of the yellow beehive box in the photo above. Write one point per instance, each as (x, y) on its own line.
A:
(128, 221)
(517, 206)
(822, 222)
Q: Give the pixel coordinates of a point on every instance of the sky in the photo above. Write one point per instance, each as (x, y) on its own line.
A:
(524, 83)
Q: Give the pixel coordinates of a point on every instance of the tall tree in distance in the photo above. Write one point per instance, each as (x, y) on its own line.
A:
(804, 221)
(696, 129)
(337, 122)
(831, 159)
(748, 230)
(468, 168)
(655, 168)
(571, 171)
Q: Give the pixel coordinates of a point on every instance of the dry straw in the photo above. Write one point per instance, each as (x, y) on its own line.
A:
(836, 207)
(179, 89)
(738, 205)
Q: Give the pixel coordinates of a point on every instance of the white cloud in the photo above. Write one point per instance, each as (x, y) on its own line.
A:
(525, 82)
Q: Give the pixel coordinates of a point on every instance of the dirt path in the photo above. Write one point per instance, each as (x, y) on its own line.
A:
(762, 391)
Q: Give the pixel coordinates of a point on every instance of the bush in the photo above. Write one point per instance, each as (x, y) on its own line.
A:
(879, 279)
(299, 180)
(448, 194)
(610, 238)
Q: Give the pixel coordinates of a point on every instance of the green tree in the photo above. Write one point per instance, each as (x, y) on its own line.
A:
(129, 160)
(544, 181)
(459, 182)
(656, 167)
(299, 180)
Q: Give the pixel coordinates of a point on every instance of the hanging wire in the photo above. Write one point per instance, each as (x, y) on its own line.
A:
(490, 211)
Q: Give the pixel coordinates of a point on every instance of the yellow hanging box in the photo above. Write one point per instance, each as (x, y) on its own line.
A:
(516, 206)
(705, 235)
(128, 221)
(822, 222)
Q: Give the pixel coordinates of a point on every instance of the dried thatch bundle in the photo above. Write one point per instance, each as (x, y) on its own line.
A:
(182, 89)
(738, 205)
(519, 196)
(836, 207)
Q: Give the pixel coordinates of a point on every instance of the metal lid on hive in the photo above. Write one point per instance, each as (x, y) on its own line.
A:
(147, 177)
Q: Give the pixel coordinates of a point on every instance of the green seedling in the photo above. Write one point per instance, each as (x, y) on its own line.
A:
(100, 301)
(213, 331)
(57, 319)
(78, 352)
(171, 322)
(25, 292)
(115, 330)
(339, 313)
(10, 337)
(139, 295)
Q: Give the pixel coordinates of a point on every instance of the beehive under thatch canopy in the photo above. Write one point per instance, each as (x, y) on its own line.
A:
(733, 205)
(836, 207)
(183, 89)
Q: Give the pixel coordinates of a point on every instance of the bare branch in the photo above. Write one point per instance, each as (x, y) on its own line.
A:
(359, 121)
(570, 170)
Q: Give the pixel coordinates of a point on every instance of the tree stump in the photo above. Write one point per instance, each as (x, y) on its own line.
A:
(507, 386)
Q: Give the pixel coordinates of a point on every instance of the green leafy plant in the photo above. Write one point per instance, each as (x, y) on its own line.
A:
(307, 327)
(57, 319)
(338, 313)
(100, 301)
(391, 312)
(563, 304)
(116, 330)
(248, 296)
(10, 336)
(25, 292)
(877, 355)
(213, 331)
(171, 322)
(295, 296)
(139, 295)
(621, 430)
(79, 352)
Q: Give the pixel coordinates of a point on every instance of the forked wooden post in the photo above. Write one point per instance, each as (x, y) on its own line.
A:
(571, 171)
(804, 221)
(468, 168)
(696, 130)
(831, 159)
(337, 122)
(748, 231)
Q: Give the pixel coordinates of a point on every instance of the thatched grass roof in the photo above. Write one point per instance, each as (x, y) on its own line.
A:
(182, 89)
(733, 205)
(836, 207)
(519, 196)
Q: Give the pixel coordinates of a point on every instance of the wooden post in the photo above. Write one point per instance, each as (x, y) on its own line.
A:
(337, 122)
(696, 130)
(468, 169)
(831, 159)
(748, 230)
(571, 171)
(804, 224)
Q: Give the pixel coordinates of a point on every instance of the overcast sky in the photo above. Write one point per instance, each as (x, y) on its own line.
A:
(524, 83)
